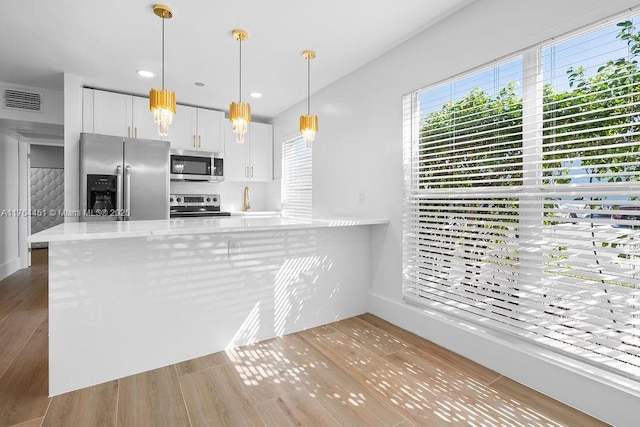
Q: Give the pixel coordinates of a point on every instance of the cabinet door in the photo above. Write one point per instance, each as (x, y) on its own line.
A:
(182, 131)
(87, 110)
(112, 113)
(143, 124)
(261, 156)
(235, 165)
(210, 136)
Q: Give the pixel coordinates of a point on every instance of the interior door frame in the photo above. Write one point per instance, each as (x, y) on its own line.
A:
(24, 195)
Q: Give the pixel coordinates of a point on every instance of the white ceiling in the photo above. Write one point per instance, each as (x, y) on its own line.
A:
(106, 42)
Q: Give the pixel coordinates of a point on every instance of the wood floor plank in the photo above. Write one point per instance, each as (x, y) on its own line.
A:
(152, 398)
(16, 288)
(412, 398)
(470, 399)
(15, 331)
(318, 331)
(202, 363)
(406, 423)
(298, 408)
(542, 405)
(344, 396)
(485, 375)
(39, 257)
(404, 335)
(375, 339)
(468, 366)
(24, 385)
(215, 397)
(37, 422)
(91, 406)
(264, 372)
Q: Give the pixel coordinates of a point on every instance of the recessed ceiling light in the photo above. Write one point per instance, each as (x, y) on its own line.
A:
(145, 73)
(199, 84)
(255, 95)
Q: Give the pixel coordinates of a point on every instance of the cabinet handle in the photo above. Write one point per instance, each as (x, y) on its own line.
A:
(194, 141)
(246, 171)
(251, 171)
(128, 131)
(199, 141)
(135, 131)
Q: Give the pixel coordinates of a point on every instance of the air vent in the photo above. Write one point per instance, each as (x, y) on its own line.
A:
(22, 100)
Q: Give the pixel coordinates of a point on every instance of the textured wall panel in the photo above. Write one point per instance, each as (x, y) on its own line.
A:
(47, 198)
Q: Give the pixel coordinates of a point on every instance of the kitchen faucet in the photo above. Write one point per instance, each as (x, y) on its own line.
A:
(245, 199)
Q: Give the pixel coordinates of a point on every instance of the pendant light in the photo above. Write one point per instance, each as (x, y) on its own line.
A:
(308, 122)
(240, 112)
(162, 102)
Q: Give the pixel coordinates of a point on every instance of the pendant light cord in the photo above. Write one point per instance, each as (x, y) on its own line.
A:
(308, 86)
(163, 52)
(240, 78)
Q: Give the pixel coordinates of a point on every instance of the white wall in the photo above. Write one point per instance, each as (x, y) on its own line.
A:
(13, 246)
(72, 130)
(359, 149)
(51, 106)
(47, 156)
(9, 256)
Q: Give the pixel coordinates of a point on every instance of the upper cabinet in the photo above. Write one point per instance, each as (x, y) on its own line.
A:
(253, 160)
(142, 120)
(110, 113)
(192, 128)
(197, 129)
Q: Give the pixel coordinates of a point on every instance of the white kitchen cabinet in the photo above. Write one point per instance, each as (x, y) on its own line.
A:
(117, 114)
(253, 160)
(112, 113)
(87, 110)
(197, 129)
(182, 131)
(142, 123)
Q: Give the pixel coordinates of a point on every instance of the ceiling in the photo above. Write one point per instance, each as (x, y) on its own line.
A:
(107, 42)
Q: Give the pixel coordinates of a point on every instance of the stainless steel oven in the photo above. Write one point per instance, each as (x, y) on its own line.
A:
(187, 165)
(195, 206)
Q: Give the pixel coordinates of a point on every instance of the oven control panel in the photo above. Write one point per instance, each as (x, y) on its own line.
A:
(195, 200)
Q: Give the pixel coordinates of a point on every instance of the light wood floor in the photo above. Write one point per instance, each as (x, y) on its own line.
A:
(361, 371)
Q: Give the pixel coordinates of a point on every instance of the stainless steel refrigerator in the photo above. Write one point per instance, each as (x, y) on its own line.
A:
(123, 179)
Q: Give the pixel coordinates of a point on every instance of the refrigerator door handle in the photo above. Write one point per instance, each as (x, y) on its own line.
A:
(127, 192)
(119, 214)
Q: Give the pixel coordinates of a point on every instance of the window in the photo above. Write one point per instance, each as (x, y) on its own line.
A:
(296, 179)
(522, 197)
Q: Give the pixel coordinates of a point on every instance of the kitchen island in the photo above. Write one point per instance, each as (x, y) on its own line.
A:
(131, 296)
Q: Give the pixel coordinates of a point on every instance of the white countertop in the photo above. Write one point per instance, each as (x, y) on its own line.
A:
(256, 213)
(122, 229)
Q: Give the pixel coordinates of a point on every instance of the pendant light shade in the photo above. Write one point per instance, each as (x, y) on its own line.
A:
(162, 102)
(308, 127)
(308, 122)
(240, 112)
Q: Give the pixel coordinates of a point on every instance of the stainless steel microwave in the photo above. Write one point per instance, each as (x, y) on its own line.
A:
(187, 165)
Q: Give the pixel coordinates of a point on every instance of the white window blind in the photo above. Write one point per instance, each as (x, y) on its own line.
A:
(296, 179)
(522, 188)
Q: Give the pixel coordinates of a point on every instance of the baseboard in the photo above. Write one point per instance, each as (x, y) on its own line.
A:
(9, 267)
(607, 397)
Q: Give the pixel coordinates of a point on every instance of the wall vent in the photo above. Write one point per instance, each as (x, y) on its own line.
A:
(15, 99)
